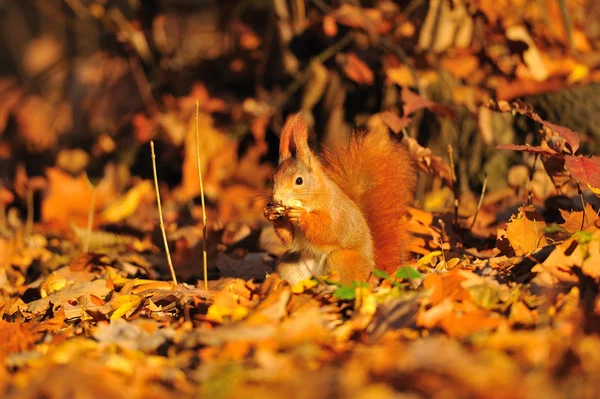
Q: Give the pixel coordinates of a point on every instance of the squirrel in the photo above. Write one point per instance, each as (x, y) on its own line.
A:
(345, 211)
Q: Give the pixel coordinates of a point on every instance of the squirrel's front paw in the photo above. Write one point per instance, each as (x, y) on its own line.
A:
(294, 213)
(273, 212)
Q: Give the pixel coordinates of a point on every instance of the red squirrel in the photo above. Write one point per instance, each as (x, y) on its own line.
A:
(345, 211)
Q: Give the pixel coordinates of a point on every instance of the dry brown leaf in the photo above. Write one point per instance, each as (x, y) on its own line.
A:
(98, 288)
(428, 162)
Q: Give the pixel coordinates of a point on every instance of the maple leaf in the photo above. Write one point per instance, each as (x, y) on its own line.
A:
(17, 336)
(575, 221)
(525, 230)
(585, 170)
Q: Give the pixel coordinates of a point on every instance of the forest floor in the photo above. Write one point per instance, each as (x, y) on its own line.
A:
(501, 300)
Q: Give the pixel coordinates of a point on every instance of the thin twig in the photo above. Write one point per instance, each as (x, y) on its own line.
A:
(443, 252)
(90, 224)
(29, 224)
(564, 11)
(529, 186)
(479, 203)
(454, 185)
(160, 215)
(204, 229)
(141, 80)
(584, 217)
(2, 207)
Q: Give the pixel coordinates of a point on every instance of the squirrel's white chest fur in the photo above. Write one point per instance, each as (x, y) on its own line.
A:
(310, 262)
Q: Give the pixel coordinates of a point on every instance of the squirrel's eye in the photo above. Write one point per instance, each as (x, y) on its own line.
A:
(299, 181)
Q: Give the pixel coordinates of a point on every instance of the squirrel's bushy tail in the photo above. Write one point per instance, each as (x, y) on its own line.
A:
(377, 173)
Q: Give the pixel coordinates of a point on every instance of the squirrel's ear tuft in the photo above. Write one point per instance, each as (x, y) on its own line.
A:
(287, 132)
(294, 140)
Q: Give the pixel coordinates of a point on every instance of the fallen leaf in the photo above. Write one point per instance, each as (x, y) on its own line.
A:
(17, 336)
(525, 230)
(357, 70)
(126, 204)
(71, 291)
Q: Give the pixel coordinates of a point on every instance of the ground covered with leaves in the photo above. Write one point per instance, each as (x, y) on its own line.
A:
(496, 101)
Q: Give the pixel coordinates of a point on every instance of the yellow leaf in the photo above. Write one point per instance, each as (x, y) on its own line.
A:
(303, 285)
(225, 305)
(127, 204)
(119, 364)
(365, 302)
(153, 307)
(525, 231)
(51, 284)
(579, 73)
(125, 305)
(401, 76)
(427, 259)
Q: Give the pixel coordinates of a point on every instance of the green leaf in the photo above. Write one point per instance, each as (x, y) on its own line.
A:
(408, 273)
(583, 237)
(345, 292)
(356, 284)
(381, 274)
(554, 228)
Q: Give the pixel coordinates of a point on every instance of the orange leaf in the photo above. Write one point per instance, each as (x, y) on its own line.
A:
(69, 198)
(446, 286)
(17, 337)
(357, 70)
(524, 230)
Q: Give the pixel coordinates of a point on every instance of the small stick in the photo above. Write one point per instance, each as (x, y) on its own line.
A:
(88, 239)
(584, 217)
(479, 203)
(204, 229)
(29, 224)
(535, 241)
(2, 207)
(160, 215)
(454, 186)
(443, 253)
(529, 186)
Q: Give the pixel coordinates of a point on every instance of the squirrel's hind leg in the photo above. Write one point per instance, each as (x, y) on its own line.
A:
(350, 264)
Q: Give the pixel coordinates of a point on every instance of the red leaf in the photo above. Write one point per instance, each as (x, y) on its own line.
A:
(584, 170)
(413, 102)
(395, 122)
(571, 137)
(527, 148)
